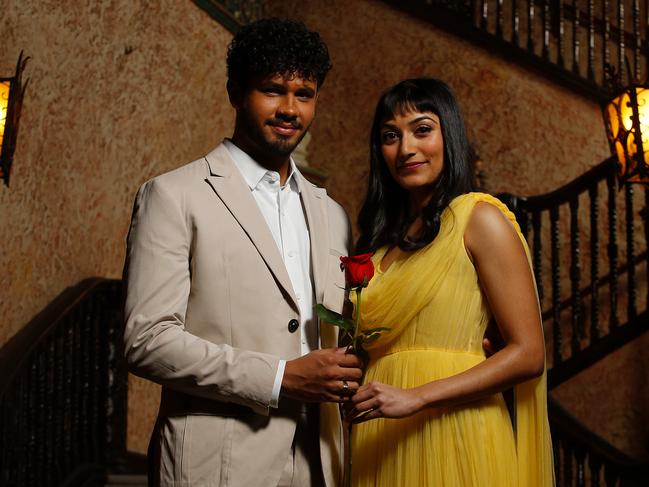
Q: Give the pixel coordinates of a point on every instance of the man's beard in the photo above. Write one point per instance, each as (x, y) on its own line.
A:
(274, 148)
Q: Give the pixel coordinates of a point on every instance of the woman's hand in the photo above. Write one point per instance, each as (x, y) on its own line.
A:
(377, 400)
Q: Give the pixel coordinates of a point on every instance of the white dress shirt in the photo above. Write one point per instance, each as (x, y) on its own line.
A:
(282, 209)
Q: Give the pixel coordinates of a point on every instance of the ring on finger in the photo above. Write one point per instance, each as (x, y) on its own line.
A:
(345, 389)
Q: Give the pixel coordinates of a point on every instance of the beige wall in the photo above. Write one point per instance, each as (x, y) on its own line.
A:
(125, 89)
(532, 135)
(120, 90)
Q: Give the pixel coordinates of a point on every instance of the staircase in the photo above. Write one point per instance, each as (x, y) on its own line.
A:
(63, 393)
(589, 250)
(589, 46)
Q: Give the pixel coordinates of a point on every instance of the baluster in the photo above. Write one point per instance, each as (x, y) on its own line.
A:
(538, 256)
(611, 475)
(637, 41)
(59, 388)
(42, 426)
(620, 45)
(575, 275)
(612, 250)
(67, 401)
(567, 464)
(109, 384)
(645, 218)
(8, 430)
(575, 38)
(499, 19)
(484, 22)
(102, 384)
(560, 38)
(530, 26)
(32, 421)
(556, 452)
(94, 384)
(606, 35)
(594, 264)
(580, 457)
(591, 40)
(556, 286)
(545, 20)
(75, 392)
(646, 37)
(595, 466)
(630, 254)
(85, 433)
(51, 405)
(4, 452)
(22, 451)
(515, 24)
(524, 222)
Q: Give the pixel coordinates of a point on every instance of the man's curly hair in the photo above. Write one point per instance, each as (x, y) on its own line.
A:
(277, 46)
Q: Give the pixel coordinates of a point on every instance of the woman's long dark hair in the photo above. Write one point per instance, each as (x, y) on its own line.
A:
(385, 216)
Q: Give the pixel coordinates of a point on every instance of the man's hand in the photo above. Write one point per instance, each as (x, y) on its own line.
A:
(328, 375)
(492, 341)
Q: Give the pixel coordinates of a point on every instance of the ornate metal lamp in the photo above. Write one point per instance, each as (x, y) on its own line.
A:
(11, 100)
(626, 117)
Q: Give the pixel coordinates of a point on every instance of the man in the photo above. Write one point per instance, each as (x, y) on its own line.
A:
(226, 258)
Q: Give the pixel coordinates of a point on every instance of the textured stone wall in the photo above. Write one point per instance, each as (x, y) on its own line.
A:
(532, 135)
(120, 90)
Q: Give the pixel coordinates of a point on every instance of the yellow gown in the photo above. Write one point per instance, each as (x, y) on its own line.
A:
(438, 316)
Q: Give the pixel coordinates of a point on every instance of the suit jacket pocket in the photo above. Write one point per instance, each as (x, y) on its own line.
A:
(206, 447)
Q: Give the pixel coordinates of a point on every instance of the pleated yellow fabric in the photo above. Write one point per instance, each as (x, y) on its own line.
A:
(438, 315)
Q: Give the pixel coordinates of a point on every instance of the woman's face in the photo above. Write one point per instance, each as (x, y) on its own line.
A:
(413, 149)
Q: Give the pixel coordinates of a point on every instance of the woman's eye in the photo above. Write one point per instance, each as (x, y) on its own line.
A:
(423, 129)
(388, 137)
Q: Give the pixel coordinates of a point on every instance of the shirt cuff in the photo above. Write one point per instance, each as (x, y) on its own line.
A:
(277, 386)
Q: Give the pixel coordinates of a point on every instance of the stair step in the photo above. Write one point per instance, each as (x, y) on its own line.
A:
(126, 481)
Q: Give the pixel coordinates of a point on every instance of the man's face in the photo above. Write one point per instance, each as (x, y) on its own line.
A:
(275, 113)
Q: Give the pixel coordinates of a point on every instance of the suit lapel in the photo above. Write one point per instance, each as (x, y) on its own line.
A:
(314, 200)
(315, 207)
(231, 188)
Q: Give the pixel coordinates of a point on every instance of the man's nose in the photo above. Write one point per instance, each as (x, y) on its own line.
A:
(288, 108)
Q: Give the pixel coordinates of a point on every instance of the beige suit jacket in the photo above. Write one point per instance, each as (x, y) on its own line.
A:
(208, 306)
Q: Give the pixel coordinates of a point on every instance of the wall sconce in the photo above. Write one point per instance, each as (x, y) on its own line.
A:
(11, 101)
(626, 117)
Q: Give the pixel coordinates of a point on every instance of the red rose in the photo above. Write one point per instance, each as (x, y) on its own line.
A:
(359, 269)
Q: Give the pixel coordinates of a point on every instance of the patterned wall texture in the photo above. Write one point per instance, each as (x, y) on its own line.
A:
(532, 135)
(122, 90)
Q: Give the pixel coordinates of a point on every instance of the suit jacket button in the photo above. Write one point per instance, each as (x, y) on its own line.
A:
(293, 325)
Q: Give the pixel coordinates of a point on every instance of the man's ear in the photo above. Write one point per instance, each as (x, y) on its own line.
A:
(235, 94)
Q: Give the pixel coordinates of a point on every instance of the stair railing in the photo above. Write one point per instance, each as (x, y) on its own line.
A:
(63, 391)
(587, 45)
(582, 458)
(599, 310)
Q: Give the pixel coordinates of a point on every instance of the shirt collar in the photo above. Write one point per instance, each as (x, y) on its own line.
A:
(253, 172)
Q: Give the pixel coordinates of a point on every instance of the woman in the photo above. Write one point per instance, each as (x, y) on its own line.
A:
(447, 261)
